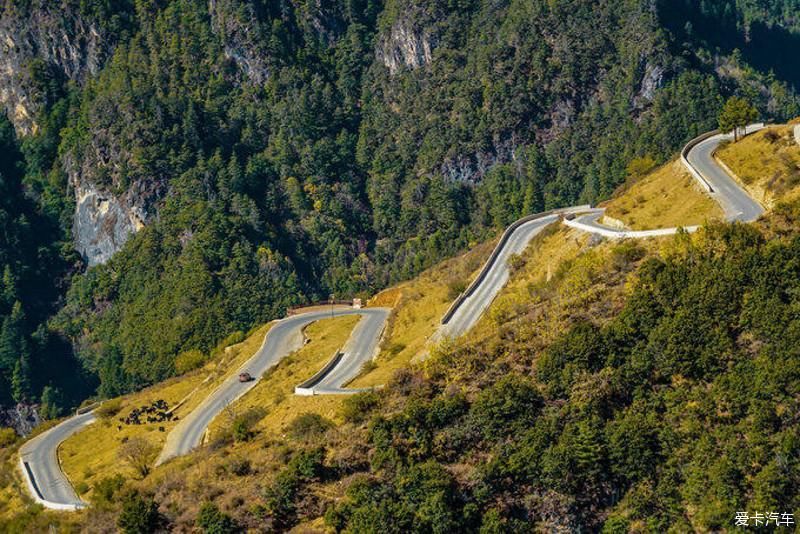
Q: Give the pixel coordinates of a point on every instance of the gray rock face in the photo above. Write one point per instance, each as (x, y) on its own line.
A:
(61, 39)
(236, 22)
(23, 418)
(652, 80)
(62, 43)
(102, 223)
(409, 44)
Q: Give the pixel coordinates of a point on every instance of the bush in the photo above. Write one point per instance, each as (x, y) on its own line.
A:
(240, 467)
(106, 489)
(212, 521)
(189, 361)
(510, 404)
(516, 262)
(139, 454)
(139, 515)
(356, 408)
(7, 437)
(640, 166)
(455, 288)
(308, 426)
(626, 254)
(242, 425)
(109, 409)
(289, 487)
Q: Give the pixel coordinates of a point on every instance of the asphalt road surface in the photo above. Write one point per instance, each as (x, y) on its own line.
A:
(359, 349)
(38, 457)
(473, 306)
(282, 339)
(42, 471)
(736, 204)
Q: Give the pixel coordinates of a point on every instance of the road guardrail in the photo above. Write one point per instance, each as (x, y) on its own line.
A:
(487, 266)
(306, 388)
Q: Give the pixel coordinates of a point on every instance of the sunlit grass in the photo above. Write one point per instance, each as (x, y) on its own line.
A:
(665, 197)
(767, 163)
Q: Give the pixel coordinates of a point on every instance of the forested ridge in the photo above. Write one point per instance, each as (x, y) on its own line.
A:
(281, 152)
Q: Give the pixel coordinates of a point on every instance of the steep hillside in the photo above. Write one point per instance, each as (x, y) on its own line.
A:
(204, 165)
(661, 198)
(767, 163)
(627, 387)
(564, 277)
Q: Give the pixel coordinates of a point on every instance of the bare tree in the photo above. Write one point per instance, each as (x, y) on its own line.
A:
(139, 454)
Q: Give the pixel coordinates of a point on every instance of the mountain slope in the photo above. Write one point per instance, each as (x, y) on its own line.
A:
(216, 162)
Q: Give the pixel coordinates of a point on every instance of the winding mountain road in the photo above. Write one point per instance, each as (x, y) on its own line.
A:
(38, 458)
(41, 469)
(735, 202)
(737, 205)
(361, 346)
(285, 337)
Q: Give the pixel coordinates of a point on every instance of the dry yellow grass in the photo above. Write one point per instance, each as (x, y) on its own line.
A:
(665, 197)
(418, 312)
(92, 454)
(558, 273)
(275, 392)
(767, 163)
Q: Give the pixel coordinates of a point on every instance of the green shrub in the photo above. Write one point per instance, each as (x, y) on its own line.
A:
(7, 437)
(109, 409)
(455, 288)
(308, 426)
(139, 515)
(211, 520)
(356, 408)
(242, 426)
(106, 489)
(640, 166)
(189, 361)
(512, 403)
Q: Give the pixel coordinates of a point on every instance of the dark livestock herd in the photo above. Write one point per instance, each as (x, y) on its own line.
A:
(156, 412)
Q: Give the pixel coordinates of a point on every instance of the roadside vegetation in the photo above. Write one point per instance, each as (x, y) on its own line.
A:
(419, 305)
(104, 448)
(271, 405)
(766, 163)
(577, 397)
(660, 196)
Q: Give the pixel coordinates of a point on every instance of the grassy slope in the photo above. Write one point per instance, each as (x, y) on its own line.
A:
(419, 306)
(275, 393)
(665, 197)
(767, 163)
(566, 272)
(91, 454)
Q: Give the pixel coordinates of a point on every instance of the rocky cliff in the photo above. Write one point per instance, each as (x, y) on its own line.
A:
(410, 41)
(44, 46)
(237, 24)
(41, 41)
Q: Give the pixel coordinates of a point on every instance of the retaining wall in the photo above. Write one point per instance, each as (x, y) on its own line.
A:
(496, 252)
(306, 388)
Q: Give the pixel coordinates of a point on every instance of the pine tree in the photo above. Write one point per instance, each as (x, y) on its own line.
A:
(21, 388)
(737, 113)
(8, 292)
(50, 403)
(11, 339)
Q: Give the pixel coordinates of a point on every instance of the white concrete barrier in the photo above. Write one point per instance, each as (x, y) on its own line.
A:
(623, 234)
(306, 388)
(37, 496)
